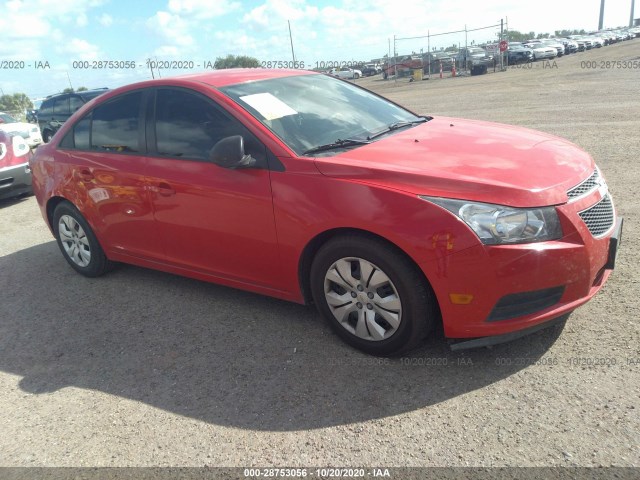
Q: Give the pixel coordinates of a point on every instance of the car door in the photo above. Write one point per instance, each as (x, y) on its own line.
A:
(102, 163)
(211, 219)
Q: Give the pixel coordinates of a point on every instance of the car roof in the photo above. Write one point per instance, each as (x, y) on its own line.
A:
(231, 76)
(82, 93)
(215, 78)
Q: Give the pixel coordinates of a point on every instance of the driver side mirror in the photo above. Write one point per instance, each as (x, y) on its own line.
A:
(229, 153)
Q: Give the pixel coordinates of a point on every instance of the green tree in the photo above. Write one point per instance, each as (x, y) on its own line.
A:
(71, 89)
(516, 36)
(15, 104)
(237, 61)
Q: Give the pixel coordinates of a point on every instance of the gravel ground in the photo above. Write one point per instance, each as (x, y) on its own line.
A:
(142, 368)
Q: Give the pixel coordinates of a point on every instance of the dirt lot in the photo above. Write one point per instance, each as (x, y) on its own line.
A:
(141, 368)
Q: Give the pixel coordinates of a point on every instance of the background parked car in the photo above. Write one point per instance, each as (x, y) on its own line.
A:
(552, 42)
(370, 69)
(15, 174)
(435, 59)
(586, 42)
(570, 46)
(517, 53)
(56, 109)
(402, 66)
(474, 59)
(542, 51)
(28, 131)
(346, 72)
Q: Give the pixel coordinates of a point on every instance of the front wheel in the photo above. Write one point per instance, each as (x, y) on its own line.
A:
(373, 297)
(78, 243)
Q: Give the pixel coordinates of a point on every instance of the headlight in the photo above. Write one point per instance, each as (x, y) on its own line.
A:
(497, 224)
(20, 147)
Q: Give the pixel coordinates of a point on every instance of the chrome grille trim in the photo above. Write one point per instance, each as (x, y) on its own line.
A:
(586, 186)
(599, 218)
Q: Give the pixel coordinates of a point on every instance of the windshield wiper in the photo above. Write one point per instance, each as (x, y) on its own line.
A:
(397, 125)
(347, 142)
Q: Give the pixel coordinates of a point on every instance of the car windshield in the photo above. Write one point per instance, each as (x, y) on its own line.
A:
(4, 118)
(310, 111)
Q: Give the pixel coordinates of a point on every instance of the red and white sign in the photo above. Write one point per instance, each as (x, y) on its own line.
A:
(504, 45)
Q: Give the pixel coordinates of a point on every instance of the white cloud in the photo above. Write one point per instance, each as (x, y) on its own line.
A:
(105, 20)
(174, 32)
(203, 9)
(79, 49)
(82, 20)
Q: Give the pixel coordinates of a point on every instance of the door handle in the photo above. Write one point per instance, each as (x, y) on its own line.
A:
(163, 189)
(85, 175)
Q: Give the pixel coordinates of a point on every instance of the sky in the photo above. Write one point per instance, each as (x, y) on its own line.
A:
(47, 44)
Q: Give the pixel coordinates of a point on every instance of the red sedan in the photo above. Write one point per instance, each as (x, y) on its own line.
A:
(311, 189)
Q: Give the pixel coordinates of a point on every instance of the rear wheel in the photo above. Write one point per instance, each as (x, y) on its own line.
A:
(372, 295)
(46, 136)
(78, 243)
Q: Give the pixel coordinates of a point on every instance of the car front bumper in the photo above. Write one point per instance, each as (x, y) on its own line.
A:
(15, 181)
(510, 288)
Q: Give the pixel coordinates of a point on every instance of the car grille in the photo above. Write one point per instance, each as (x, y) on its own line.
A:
(585, 186)
(599, 218)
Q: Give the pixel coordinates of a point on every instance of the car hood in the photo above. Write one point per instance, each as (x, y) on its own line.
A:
(467, 159)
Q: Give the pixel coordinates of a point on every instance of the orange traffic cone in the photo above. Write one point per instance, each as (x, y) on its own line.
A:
(453, 70)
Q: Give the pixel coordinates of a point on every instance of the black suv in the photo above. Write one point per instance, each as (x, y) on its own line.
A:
(55, 109)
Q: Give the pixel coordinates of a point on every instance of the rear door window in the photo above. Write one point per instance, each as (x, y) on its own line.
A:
(116, 125)
(61, 106)
(75, 103)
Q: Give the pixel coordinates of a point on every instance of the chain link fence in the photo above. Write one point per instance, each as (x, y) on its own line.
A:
(467, 51)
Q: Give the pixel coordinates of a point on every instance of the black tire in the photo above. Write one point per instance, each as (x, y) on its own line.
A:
(419, 311)
(98, 263)
(46, 136)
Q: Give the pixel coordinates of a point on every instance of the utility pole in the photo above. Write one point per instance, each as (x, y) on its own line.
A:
(601, 21)
(395, 54)
(293, 55)
(633, 4)
(501, 38)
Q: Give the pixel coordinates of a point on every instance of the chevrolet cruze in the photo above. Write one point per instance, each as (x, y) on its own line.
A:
(311, 189)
